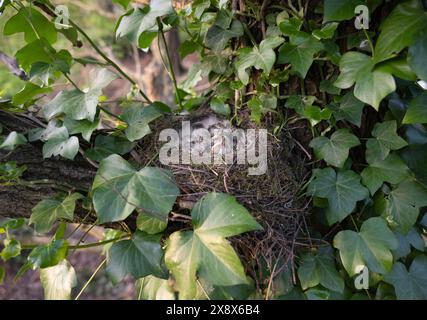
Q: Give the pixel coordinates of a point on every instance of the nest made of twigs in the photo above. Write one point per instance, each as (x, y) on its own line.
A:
(273, 198)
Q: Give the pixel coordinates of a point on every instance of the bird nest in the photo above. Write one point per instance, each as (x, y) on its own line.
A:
(273, 198)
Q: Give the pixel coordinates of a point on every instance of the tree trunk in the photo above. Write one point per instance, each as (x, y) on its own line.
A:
(43, 178)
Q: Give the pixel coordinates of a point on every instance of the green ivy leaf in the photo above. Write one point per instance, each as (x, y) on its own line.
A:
(392, 170)
(27, 94)
(412, 240)
(118, 189)
(123, 3)
(48, 255)
(222, 31)
(336, 149)
(370, 247)
(401, 207)
(48, 211)
(385, 139)
(140, 23)
(140, 256)
(400, 29)
(79, 105)
(60, 143)
(299, 52)
(37, 51)
(12, 249)
(138, 118)
(343, 190)
(205, 252)
(350, 109)
(417, 111)
(85, 127)
(220, 107)
(372, 85)
(410, 285)
(327, 32)
(262, 58)
(339, 10)
(416, 56)
(318, 269)
(150, 225)
(13, 140)
(152, 288)
(20, 23)
(58, 281)
(107, 145)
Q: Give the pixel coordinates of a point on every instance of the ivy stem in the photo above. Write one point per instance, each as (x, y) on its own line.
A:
(371, 45)
(78, 247)
(170, 70)
(91, 278)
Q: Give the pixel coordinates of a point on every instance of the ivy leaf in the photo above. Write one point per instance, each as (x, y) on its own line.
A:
(19, 23)
(35, 51)
(219, 34)
(140, 23)
(149, 224)
(406, 242)
(416, 55)
(410, 285)
(370, 247)
(342, 189)
(138, 118)
(85, 127)
(417, 111)
(350, 109)
(372, 85)
(205, 252)
(385, 139)
(106, 146)
(27, 94)
(48, 211)
(118, 189)
(339, 10)
(262, 58)
(401, 207)
(58, 281)
(299, 52)
(12, 249)
(79, 105)
(327, 32)
(318, 269)
(392, 170)
(400, 29)
(139, 256)
(48, 255)
(42, 72)
(123, 3)
(61, 144)
(152, 288)
(336, 149)
(13, 140)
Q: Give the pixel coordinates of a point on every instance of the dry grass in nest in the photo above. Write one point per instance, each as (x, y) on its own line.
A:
(273, 199)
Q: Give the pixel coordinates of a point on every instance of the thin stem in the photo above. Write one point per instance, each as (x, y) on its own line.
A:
(171, 70)
(79, 225)
(110, 113)
(90, 279)
(84, 246)
(371, 45)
